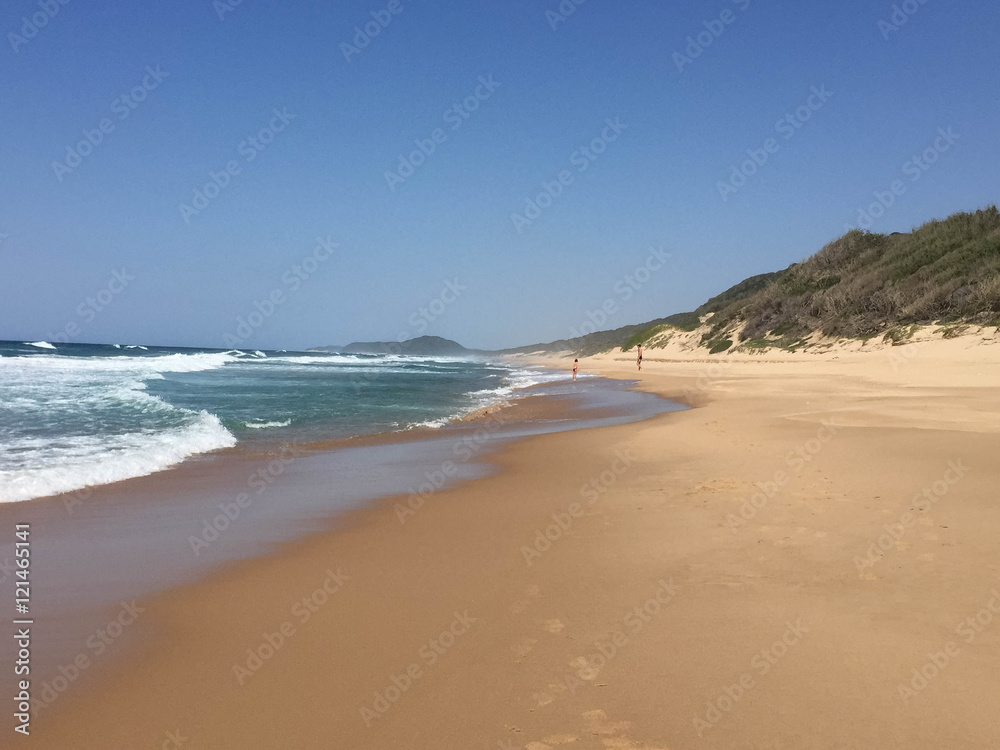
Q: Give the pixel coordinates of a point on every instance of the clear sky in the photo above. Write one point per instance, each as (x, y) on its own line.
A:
(182, 86)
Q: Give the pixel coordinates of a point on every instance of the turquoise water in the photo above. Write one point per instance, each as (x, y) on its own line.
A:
(77, 415)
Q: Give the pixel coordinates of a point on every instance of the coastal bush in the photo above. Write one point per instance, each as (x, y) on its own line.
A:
(720, 346)
(643, 336)
(953, 331)
(861, 285)
(899, 335)
(864, 284)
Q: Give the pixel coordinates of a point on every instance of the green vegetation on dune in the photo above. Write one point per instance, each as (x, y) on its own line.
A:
(864, 284)
(602, 341)
(643, 336)
(861, 285)
(737, 293)
(720, 346)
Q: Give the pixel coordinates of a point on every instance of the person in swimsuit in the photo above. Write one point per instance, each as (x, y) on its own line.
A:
(575, 364)
(638, 360)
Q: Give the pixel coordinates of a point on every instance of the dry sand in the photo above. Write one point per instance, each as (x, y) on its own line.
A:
(791, 623)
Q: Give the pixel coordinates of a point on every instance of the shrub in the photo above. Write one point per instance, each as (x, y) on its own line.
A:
(720, 346)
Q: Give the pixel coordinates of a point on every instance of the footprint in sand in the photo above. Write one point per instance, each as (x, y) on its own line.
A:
(560, 739)
(530, 592)
(717, 485)
(613, 734)
(584, 669)
(522, 648)
(598, 723)
(542, 699)
(549, 742)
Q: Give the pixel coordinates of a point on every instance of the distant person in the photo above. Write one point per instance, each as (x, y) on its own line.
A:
(638, 359)
(576, 363)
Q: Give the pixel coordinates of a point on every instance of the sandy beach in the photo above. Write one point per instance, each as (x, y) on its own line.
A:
(806, 559)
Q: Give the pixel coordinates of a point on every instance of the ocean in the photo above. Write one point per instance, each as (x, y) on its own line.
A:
(79, 415)
(249, 431)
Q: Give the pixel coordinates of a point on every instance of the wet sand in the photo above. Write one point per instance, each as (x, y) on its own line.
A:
(93, 550)
(806, 559)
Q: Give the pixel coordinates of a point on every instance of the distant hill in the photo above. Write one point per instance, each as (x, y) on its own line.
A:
(602, 341)
(858, 286)
(424, 346)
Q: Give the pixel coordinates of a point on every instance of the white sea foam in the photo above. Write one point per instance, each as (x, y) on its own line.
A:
(434, 424)
(527, 377)
(265, 425)
(138, 366)
(67, 402)
(79, 462)
(40, 344)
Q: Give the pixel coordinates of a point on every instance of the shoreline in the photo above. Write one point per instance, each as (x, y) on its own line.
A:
(647, 610)
(141, 536)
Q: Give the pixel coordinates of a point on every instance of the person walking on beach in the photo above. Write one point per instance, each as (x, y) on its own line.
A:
(576, 363)
(638, 359)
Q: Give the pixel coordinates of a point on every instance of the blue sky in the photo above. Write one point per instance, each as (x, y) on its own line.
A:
(436, 251)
